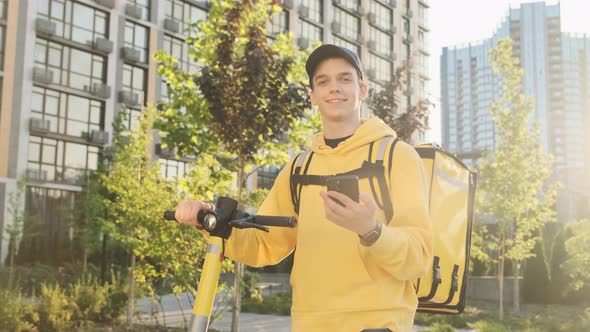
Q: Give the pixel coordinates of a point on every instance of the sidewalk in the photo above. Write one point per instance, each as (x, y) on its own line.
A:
(175, 312)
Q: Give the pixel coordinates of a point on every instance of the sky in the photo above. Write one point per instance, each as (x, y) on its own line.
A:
(455, 22)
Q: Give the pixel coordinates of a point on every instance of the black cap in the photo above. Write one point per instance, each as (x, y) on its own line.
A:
(327, 51)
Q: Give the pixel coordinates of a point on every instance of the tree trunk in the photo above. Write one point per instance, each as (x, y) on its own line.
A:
(131, 295)
(84, 262)
(11, 253)
(235, 319)
(516, 294)
(501, 279)
(103, 260)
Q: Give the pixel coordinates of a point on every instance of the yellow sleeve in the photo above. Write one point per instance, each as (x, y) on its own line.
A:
(404, 249)
(258, 248)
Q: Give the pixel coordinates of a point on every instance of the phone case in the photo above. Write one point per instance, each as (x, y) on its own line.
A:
(344, 184)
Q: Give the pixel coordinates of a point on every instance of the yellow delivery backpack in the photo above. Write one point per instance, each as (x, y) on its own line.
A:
(452, 190)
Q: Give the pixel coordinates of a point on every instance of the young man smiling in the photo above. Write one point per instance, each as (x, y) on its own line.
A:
(353, 269)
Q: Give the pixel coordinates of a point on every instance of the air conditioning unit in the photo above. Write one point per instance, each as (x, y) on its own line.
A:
(372, 45)
(128, 97)
(39, 126)
(410, 13)
(371, 73)
(133, 11)
(392, 30)
(45, 27)
(171, 25)
(409, 91)
(165, 151)
(99, 90)
(408, 40)
(130, 54)
(303, 42)
(103, 45)
(288, 4)
(372, 18)
(393, 3)
(360, 39)
(99, 137)
(36, 175)
(42, 75)
(106, 3)
(337, 2)
(335, 27)
(360, 11)
(303, 11)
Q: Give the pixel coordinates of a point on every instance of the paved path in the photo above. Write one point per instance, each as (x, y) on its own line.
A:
(176, 311)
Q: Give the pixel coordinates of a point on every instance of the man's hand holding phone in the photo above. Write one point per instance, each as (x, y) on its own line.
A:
(355, 215)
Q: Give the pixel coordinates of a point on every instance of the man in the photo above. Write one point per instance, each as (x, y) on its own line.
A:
(353, 270)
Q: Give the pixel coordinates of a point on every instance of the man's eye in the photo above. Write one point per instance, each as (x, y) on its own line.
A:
(322, 82)
(346, 79)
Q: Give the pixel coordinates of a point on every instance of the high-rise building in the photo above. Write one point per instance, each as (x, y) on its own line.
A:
(68, 66)
(556, 67)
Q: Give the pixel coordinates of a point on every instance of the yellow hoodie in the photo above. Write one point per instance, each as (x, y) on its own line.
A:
(339, 284)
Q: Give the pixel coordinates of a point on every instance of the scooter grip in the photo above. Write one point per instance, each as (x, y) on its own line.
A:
(169, 215)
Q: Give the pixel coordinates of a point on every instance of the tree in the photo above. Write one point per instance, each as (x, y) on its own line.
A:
(577, 264)
(536, 277)
(385, 105)
(513, 178)
(14, 230)
(249, 100)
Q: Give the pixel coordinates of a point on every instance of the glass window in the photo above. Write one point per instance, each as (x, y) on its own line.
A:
(136, 36)
(311, 31)
(350, 25)
(179, 49)
(382, 67)
(84, 69)
(383, 15)
(134, 81)
(74, 21)
(184, 13)
(344, 43)
(351, 5)
(3, 8)
(67, 114)
(2, 42)
(383, 42)
(144, 6)
(61, 161)
(279, 23)
(315, 10)
(266, 177)
(173, 169)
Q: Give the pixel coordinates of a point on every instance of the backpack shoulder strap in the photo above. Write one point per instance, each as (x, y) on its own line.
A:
(296, 173)
(386, 205)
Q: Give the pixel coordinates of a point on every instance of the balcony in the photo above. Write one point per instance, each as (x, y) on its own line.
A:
(45, 27)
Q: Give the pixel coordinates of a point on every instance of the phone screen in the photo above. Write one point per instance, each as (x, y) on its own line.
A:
(344, 184)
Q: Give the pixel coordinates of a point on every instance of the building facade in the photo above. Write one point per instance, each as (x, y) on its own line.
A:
(556, 76)
(69, 66)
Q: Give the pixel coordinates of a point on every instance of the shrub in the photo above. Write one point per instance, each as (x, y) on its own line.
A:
(89, 299)
(488, 326)
(440, 328)
(55, 311)
(16, 314)
(279, 304)
(536, 277)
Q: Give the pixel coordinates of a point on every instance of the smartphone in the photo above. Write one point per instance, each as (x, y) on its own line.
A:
(344, 184)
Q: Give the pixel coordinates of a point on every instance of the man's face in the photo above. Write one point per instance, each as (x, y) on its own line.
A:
(337, 90)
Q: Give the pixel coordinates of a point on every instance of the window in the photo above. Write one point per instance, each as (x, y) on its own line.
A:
(315, 10)
(311, 31)
(144, 6)
(74, 21)
(71, 67)
(3, 8)
(136, 36)
(383, 71)
(279, 23)
(61, 161)
(173, 169)
(2, 45)
(134, 81)
(184, 13)
(267, 176)
(344, 43)
(350, 25)
(383, 41)
(132, 118)
(351, 5)
(179, 49)
(67, 114)
(383, 15)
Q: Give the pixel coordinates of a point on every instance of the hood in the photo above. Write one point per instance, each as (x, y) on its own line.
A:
(369, 131)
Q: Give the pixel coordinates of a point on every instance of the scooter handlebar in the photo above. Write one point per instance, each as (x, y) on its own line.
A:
(277, 221)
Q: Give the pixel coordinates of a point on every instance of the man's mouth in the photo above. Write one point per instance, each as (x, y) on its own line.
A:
(335, 100)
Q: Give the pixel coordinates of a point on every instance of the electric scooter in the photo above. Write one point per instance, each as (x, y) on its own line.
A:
(219, 223)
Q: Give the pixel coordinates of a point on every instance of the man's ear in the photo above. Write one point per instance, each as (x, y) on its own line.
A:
(364, 91)
(312, 98)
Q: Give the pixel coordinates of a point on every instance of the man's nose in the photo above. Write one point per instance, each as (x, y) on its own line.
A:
(335, 87)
